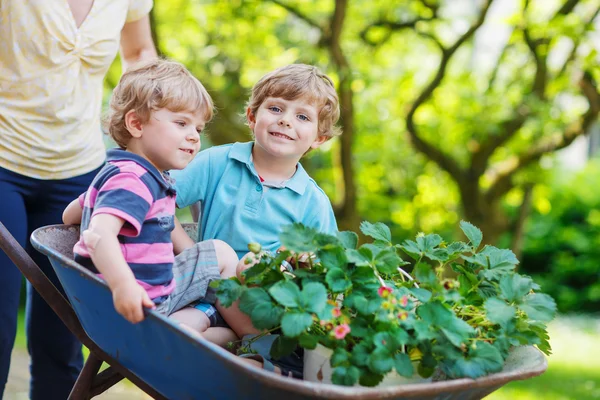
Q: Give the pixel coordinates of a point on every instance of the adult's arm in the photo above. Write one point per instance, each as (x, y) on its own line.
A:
(136, 42)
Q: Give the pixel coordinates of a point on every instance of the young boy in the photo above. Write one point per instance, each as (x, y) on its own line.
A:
(249, 191)
(158, 111)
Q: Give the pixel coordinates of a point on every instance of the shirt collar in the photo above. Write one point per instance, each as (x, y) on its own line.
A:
(242, 152)
(164, 179)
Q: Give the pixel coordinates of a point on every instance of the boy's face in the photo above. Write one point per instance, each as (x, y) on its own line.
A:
(170, 140)
(286, 128)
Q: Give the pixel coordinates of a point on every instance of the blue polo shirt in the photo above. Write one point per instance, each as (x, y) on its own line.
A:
(238, 209)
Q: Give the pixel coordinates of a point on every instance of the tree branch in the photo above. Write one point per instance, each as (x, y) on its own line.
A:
(556, 142)
(509, 128)
(391, 26)
(567, 7)
(519, 223)
(444, 161)
(587, 25)
(299, 14)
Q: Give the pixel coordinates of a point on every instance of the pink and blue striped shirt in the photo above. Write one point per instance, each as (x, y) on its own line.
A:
(131, 188)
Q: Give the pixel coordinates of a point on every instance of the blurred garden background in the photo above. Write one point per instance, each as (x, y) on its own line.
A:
(451, 109)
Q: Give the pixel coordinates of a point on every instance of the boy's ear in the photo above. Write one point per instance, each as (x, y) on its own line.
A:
(133, 124)
(251, 118)
(319, 141)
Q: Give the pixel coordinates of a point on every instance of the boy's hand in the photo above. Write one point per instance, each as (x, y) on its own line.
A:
(129, 300)
(302, 260)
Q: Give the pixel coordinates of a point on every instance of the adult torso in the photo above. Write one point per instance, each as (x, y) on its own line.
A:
(53, 58)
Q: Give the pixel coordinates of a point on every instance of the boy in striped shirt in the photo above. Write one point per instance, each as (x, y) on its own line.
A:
(158, 111)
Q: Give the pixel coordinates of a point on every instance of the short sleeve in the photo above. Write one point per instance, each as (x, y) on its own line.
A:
(191, 183)
(125, 196)
(324, 220)
(81, 200)
(138, 9)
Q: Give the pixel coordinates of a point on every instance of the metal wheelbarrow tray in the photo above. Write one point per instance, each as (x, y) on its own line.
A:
(167, 362)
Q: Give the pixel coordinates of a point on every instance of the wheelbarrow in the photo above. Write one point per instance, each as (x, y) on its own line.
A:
(168, 363)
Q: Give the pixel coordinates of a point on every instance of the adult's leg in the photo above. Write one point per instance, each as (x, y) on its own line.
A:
(12, 215)
(56, 357)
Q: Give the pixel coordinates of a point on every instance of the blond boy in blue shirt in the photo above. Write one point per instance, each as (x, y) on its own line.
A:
(249, 191)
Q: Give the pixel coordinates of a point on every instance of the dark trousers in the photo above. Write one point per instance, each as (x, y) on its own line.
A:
(25, 205)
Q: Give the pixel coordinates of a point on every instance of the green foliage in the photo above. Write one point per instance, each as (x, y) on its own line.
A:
(562, 241)
(377, 318)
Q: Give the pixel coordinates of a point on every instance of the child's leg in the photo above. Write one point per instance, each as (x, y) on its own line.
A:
(196, 321)
(235, 318)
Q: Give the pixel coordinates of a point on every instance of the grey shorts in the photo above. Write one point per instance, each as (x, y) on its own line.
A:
(194, 269)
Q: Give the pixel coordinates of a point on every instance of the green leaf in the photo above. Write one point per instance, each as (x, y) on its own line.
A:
(253, 297)
(326, 240)
(423, 295)
(345, 376)
(369, 378)
(294, 323)
(539, 307)
(500, 262)
(424, 331)
(375, 249)
(386, 340)
(333, 257)
(283, 346)
(381, 361)
(286, 293)
(498, 312)
(337, 280)
(266, 315)
(455, 329)
(308, 341)
(387, 261)
(252, 274)
(456, 248)
(314, 297)
(428, 246)
(424, 274)
(514, 286)
(403, 365)
(485, 359)
(360, 354)
(366, 307)
(361, 257)
(477, 259)
(299, 238)
(363, 275)
(377, 231)
(228, 291)
(340, 356)
(472, 233)
(349, 239)
(411, 248)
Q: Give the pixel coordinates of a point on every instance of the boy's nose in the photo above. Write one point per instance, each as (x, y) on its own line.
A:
(283, 122)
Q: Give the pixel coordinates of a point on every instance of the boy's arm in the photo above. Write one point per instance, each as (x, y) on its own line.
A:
(74, 211)
(105, 251)
(181, 240)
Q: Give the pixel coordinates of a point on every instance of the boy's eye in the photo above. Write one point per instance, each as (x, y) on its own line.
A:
(275, 108)
(303, 117)
(199, 130)
(180, 123)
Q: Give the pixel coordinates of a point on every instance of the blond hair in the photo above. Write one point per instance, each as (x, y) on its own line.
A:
(301, 81)
(151, 86)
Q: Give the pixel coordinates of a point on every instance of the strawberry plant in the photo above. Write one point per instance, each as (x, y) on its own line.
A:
(360, 302)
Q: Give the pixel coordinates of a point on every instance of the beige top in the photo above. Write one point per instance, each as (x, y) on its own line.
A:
(51, 76)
